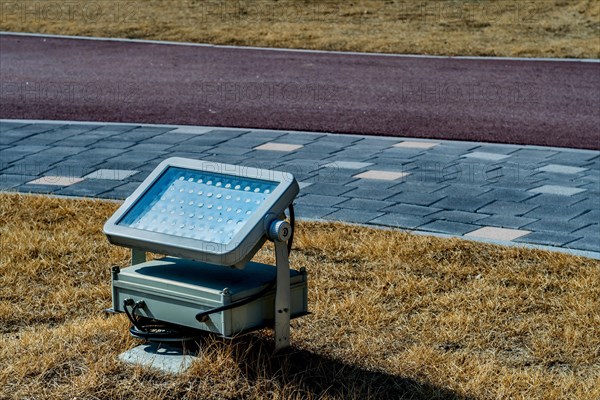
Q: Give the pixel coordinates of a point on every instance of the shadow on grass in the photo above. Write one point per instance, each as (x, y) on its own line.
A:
(310, 375)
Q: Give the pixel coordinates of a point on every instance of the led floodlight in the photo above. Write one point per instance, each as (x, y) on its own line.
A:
(201, 210)
(207, 215)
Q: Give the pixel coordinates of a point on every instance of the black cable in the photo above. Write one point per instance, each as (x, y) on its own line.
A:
(292, 223)
(202, 316)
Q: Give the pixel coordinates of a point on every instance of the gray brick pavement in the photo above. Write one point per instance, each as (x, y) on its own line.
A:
(451, 188)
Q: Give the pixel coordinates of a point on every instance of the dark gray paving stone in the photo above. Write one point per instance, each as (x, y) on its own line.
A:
(400, 221)
(465, 203)
(507, 208)
(354, 155)
(365, 204)
(80, 141)
(120, 192)
(22, 168)
(556, 226)
(417, 198)
(320, 200)
(553, 212)
(38, 128)
(70, 169)
(366, 193)
(409, 209)
(312, 211)
(449, 227)
(463, 191)
(415, 185)
(506, 221)
(151, 130)
(506, 195)
(229, 150)
(548, 238)
(592, 216)
(373, 184)
(12, 181)
(498, 148)
(41, 189)
(298, 138)
(171, 138)
(89, 188)
(115, 129)
(355, 216)
(6, 126)
(247, 141)
(458, 216)
(327, 189)
(226, 133)
(34, 140)
(587, 244)
(589, 231)
(221, 158)
(270, 135)
(578, 159)
(534, 153)
(114, 144)
(546, 199)
(15, 153)
(151, 147)
(186, 148)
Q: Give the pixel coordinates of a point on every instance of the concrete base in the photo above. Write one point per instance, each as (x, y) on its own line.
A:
(157, 356)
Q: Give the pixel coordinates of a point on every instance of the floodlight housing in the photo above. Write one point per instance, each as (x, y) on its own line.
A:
(201, 210)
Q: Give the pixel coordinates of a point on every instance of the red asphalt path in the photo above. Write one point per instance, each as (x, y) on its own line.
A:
(547, 103)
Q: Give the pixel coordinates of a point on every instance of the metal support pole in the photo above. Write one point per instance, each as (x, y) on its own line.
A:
(137, 256)
(282, 297)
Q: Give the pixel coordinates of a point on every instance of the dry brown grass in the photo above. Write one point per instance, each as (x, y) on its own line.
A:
(394, 315)
(548, 28)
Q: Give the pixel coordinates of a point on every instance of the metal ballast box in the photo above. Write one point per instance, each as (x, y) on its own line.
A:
(175, 290)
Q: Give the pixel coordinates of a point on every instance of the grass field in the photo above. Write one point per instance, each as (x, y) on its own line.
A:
(394, 316)
(532, 28)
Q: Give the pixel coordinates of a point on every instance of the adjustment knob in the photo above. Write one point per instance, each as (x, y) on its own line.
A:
(279, 231)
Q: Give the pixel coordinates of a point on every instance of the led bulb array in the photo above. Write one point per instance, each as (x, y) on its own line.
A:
(199, 205)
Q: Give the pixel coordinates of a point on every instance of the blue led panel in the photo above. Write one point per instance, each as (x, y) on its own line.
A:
(198, 205)
(207, 211)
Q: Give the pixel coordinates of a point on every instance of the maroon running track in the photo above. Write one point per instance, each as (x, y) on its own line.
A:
(507, 101)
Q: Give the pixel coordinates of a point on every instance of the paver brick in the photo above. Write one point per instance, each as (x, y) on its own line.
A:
(410, 209)
(312, 211)
(507, 208)
(321, 200)
(458, 216)
(587, 244)
(365, 204)
(400, 220)
(418, 198)
(448, 227)
(548, 238)
(506, 221)
(355, 216)
(328, 189)
(461, 203)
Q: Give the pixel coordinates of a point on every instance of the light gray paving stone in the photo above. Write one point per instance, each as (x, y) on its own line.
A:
(507, 208)
(557, 189)
(548, 238)
(400, 221)
(481, 155)
(495, 233)
(365, 204)
(562, 169)
(355, 216)
(449, 227)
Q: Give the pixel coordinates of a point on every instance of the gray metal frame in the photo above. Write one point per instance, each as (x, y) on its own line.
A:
(239, 250)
